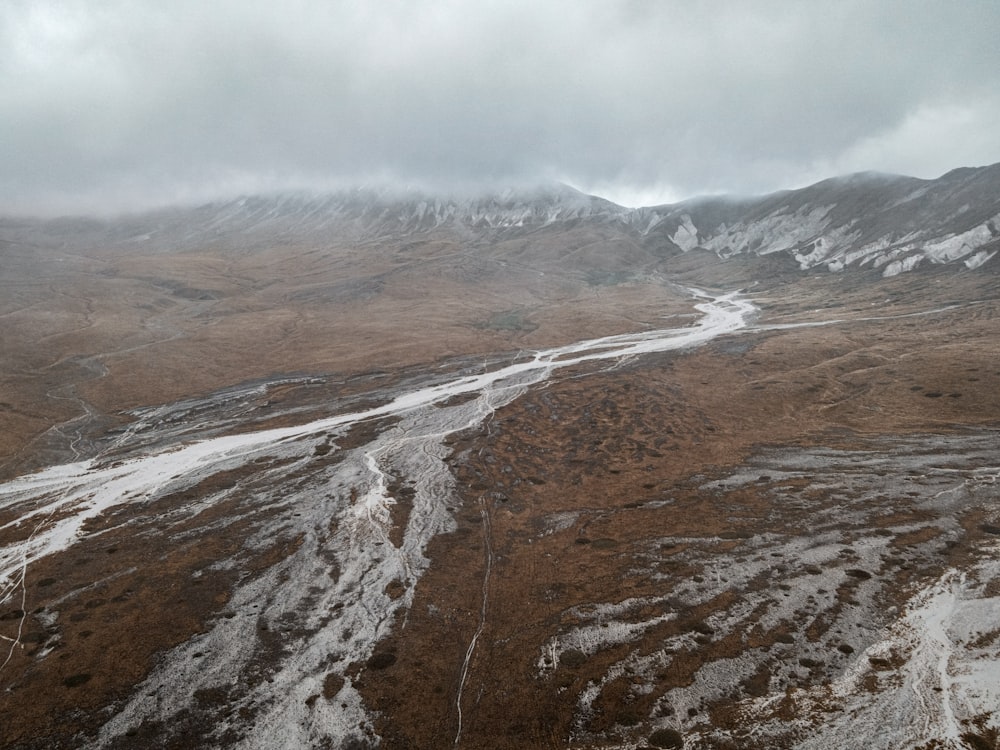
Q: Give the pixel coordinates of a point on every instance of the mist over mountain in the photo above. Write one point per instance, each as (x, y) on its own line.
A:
(865, 221)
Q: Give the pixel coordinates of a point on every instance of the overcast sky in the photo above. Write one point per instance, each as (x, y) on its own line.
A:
(121, 104)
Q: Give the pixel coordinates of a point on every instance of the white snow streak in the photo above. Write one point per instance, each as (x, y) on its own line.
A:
(337, 622)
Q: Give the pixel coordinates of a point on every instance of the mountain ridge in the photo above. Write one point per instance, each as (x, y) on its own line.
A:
(866, 220)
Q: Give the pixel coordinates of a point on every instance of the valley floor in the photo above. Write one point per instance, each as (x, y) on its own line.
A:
(785, 536)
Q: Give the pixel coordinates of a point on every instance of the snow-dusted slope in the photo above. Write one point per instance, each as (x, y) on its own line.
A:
(864, 221)
(368, 213)
(867, 220)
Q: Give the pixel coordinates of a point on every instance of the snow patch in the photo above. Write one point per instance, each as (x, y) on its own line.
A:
(897, 267)
(686, 236)
(958, 246)
(978, 259)
(947, 678)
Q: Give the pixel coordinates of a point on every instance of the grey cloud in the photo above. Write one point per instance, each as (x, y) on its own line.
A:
(108, 104)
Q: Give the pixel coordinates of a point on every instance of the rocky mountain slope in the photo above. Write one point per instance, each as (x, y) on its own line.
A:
(880, 221)
(868, 221)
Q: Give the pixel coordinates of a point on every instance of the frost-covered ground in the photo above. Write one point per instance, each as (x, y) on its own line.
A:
(947, 687)
(864, 596)
(836, 628)
(349, 580)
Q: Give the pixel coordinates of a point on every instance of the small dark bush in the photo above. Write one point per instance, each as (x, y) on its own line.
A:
(382, 660)
(731, 535)
(668, 738)
(572, 658)
(978, 742)
(628, 718)
(879, 663)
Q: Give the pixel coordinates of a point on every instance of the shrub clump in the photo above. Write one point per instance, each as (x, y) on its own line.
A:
(668, 738)
(382, 660)
(572, 658)
(76, 680)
